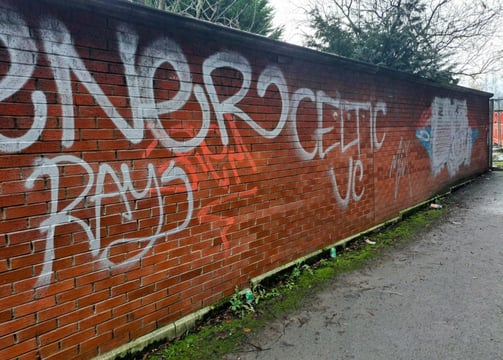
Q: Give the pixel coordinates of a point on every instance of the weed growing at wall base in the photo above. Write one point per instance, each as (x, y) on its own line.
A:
(229, 329)
(497, 161)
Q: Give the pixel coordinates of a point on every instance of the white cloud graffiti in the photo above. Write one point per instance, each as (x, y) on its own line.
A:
(447, 136)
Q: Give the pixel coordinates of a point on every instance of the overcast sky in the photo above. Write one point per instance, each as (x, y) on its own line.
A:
(292, 17)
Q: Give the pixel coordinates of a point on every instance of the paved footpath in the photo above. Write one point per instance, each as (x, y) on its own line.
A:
(439, 297)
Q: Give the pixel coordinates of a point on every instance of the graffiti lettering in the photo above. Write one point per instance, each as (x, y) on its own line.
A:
(114, 182)
(341, 113)
(234, 157)
(270, 76)
(351, 187)
(400, 166)
(50, 168)
(447, 136)
(65, 61)
(22, 52)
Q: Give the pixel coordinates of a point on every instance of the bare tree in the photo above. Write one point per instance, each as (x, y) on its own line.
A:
(440, 39)
(464, 30)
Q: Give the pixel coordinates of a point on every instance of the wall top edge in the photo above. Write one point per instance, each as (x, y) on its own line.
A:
(123, 9)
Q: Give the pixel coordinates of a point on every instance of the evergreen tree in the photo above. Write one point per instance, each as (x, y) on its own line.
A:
(249, 15)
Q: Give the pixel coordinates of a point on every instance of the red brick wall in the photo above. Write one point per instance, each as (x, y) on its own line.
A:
(149, 164)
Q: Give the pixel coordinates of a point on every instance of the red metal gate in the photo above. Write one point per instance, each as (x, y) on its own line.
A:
(497, 128)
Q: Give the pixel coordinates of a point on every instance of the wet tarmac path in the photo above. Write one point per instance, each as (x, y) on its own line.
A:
(438, 297)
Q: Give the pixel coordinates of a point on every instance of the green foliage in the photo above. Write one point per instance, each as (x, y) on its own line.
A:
(262, 294)
(236, 302)
(210, 342)
(392, 34)
(238, 305)
(253, 16)
(297, 271)
(497, 160)
(249, 15)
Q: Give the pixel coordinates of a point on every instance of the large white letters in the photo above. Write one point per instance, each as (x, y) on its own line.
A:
(15, 35)
(113, 182)
(46, 167)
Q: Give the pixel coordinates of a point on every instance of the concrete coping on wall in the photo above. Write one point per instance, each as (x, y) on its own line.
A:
(168, 332)
(280, 52)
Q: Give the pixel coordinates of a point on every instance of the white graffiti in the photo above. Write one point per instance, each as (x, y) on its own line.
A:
(146, 111)
(65, 61)
(22, 52)
(343, 112)
(351, 187)
(447, 136)
(50, 168)
(400, 166)
(270, 76)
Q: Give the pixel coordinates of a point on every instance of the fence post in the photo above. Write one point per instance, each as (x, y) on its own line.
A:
(491, 128)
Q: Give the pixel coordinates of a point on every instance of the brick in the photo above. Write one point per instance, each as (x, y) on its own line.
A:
(13, 225)
(16, 274)
(154, 297)
(67, 251)
(92, 321)
(56, 311)
(107, 326)
(126, 308)
(6, 341)
(115, 342)
(108, 282)
(93, 298)
(140, 292)
(23, 236)
(110, 303)
(29, 355)
(72, 272)
(167, 301)
(95, 341)
(35, 306)
(68, 352)
(10, 327)
(11, 200)
(92, 278)
(74, 340)
(57, 334)
(48, 350)
(74, 294)
(54, 289)
(16, 161)
(19, 349)
(96, 134)
(5, 315)
(34, 331)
